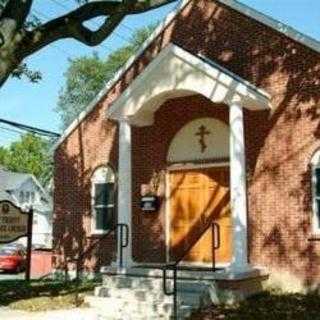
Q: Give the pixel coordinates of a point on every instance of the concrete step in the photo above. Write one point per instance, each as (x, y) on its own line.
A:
(193, 299)
(140, 294)
(114, 307)
(117, 308)
(119, 290)
(137, 293)
(123, 281)
(134, 282)
(152, 272)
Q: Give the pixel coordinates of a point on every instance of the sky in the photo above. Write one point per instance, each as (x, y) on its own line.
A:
(33, 104)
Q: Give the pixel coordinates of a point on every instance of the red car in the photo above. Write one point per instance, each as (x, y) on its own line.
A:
(12, 259)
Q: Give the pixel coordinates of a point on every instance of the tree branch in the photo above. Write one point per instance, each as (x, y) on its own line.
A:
(93, 38)
(17, 41)
(144, 6)
(71, 24)
(17, 10)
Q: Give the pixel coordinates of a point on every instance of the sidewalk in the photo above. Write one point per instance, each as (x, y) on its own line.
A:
(71, 314)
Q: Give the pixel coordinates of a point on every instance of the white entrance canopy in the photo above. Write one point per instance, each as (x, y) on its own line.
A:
(175, 73)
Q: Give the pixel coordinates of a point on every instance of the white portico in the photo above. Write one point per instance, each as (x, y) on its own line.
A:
(177, 73)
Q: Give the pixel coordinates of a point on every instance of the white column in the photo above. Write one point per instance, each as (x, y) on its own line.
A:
(238, 189)
(124, 189)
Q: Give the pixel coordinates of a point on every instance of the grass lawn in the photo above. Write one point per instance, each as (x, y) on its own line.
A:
(52, 295)
(42, 295)
(267, 306)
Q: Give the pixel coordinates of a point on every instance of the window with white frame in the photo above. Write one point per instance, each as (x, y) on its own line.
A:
(32, 197)
(103, 199)
(315, 163)
(21, 197)
(28, 196)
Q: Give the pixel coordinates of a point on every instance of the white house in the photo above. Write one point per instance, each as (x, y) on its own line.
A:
(24, 190)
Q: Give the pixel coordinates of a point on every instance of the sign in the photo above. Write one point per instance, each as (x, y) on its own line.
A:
(13, 222)
(149, 203)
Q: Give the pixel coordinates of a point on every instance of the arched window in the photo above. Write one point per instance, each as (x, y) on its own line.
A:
(203, 139)
(103, 199)
(315, 163)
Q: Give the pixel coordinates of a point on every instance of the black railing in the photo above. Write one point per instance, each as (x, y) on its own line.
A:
(125, 243)
(121, 228)
(215, 231)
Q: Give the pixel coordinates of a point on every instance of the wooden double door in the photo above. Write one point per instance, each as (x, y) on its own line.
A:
(198, 197)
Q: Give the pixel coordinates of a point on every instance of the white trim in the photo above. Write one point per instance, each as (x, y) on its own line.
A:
(315, 164)
(159, 82)
(125, 190)
(243, 9)
(238, 189)
(182, 167)
(96, 180)
(182, 264)
(167, 215)
(191, 166)
(203, 264)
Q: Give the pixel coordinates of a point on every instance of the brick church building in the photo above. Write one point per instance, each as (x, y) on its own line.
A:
(215, 120)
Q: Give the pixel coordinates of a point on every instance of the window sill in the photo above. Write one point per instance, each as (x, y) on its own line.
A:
(314, 237)
(99, 233)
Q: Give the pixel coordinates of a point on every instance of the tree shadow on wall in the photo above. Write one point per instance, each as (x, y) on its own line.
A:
(287, 70)
(290, 73)
(72, 213)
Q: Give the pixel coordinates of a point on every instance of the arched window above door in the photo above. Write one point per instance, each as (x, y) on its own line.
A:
(201, 139)
(103, 199)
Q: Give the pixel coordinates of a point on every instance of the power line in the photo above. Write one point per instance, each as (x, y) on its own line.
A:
(126, 27)
(11, 131)
(30, 129)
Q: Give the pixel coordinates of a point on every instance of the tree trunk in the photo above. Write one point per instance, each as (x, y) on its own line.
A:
(6, 68)
(10, 40)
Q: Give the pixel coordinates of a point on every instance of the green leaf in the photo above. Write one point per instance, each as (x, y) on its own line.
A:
(87, 75)
(30, 154)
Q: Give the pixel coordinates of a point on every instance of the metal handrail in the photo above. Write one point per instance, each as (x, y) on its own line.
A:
(215, 229)
(124, 242)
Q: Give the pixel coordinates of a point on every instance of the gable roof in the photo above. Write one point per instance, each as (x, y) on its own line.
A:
(197, 75)
(12, 180)
(4, 195)
(233, 4)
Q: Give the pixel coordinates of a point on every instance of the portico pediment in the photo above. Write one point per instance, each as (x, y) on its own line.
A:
(175, 73)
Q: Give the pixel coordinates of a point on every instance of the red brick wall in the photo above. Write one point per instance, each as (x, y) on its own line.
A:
(91, 145)
(279, 143)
